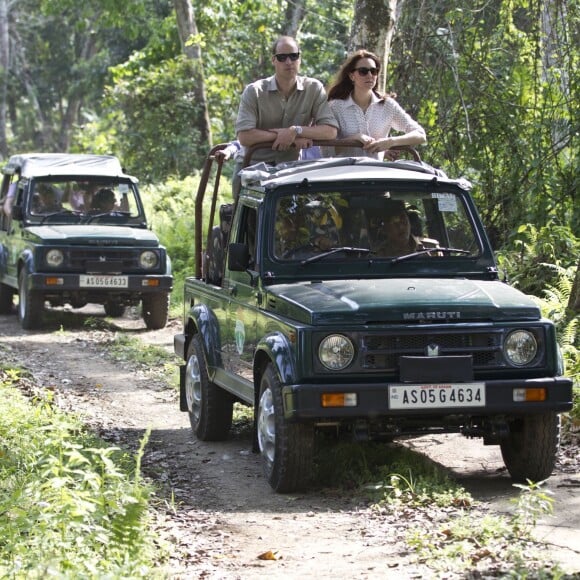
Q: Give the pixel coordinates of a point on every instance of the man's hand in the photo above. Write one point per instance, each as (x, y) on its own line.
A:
(302, 143)
(285, 139)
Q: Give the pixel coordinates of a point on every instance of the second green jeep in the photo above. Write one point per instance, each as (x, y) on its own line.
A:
(73, 231)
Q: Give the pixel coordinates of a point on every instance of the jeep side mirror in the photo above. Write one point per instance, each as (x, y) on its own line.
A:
(238, 257)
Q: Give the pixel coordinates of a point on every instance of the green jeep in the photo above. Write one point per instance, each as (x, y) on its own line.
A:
(73, 230)
(361, 296)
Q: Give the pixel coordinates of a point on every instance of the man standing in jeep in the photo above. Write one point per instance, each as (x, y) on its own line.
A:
(285, 109)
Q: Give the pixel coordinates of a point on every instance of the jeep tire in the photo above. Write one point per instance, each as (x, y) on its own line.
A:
(155, 310)
(529, 451)
(30, 303)
(287, 448)
(210, 408)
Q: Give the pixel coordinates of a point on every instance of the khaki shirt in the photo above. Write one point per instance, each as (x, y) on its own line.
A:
(262, 106)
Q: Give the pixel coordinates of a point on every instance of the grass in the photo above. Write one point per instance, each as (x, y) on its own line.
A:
(482, 544)
(130, 350)
(448, 531)
(71, 506)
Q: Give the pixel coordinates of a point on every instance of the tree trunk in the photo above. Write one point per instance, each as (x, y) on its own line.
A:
(75, 100)
(294, 15)
(372, 28)
(187, 28)
(4, 63)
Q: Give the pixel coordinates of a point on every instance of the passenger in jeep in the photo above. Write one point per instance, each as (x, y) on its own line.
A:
(46, 199)
(392, 234)
(104, 201)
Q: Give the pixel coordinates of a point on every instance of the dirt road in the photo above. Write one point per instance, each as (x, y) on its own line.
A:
(218, 512)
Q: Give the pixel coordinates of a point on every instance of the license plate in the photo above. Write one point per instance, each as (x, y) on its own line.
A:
(436, 396)
(92, 281)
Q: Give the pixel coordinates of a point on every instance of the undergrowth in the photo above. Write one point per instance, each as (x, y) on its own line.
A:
(452, 534)
(70, 505)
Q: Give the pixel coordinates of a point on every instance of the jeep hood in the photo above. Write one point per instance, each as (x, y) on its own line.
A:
(92, 235)
(400, 300)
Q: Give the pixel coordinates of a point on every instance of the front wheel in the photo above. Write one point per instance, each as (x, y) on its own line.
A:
(155, 310)
(287, 449)
(529, 451)
(30, 303)
(210, 408)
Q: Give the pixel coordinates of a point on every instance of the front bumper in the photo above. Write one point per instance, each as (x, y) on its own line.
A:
(304, 402)
(58, 283)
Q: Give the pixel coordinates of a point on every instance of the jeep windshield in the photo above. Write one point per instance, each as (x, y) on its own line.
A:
(84, 201)
(388, 227)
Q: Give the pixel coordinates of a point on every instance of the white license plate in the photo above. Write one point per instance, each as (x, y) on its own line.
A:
(92, 281)
(436, 396)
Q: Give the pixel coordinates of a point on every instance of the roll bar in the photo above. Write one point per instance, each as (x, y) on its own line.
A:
(206, 172)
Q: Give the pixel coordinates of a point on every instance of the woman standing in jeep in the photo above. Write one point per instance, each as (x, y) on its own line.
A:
(366, 115)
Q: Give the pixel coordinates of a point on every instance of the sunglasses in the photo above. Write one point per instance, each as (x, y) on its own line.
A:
(363, 71)
(293, 56)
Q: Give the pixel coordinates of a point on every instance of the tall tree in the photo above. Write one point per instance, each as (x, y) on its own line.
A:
(373, 27)
(295, 11)
(189, 37)
(4, 67)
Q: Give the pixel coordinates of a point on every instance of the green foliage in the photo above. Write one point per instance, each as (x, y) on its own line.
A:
(391, 474)
(170, 208)
(156, 121)
(492, 544)
(70, 506)
(250, 29)
(410, 479)
(535, 257)
(497, 97)
(533, 502)
(553, 305)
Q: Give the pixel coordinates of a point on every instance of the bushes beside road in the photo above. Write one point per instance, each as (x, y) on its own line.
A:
(70, 505)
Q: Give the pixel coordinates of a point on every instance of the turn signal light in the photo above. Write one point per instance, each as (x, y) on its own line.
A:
(529, 395)
(150, 282)
(339, 400)
(54, 281)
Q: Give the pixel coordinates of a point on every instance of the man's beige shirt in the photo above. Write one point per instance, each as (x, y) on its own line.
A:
(262, 106)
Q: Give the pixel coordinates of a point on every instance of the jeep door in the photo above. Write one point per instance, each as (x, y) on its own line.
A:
(240, 338)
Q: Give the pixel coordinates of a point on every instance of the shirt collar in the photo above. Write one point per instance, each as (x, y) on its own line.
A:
(374, 99)
(272, 86)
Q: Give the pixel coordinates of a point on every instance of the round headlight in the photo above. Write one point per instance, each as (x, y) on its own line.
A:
(54, 258)
(520, 347)
(336, 352)
(148, 260)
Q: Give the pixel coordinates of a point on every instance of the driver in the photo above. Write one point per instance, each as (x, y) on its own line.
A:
(393, 236)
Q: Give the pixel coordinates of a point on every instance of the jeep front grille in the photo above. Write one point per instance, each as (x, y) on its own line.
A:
(381, 352)
(80, 260)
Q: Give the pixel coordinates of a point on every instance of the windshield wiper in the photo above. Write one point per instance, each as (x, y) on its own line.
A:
(428, 251)
(345, 249)
(113, 213)
(59, 212)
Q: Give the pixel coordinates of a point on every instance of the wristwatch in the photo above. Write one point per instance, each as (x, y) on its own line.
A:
(297, 130)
